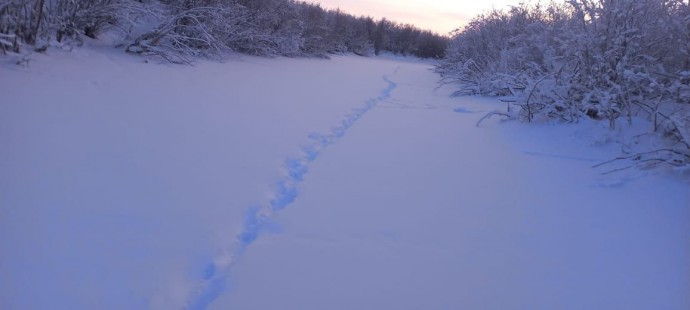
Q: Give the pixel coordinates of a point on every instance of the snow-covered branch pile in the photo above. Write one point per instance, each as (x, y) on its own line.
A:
(182, 30)
(600, 59)
(192, 29)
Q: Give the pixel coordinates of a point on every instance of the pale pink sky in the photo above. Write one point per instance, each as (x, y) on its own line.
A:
(441, 16)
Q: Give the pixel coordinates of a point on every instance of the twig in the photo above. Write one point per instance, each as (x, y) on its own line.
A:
(638, 160)
(640, 155)
(492, 113)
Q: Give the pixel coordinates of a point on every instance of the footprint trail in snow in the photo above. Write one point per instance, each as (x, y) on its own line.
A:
(285, 192)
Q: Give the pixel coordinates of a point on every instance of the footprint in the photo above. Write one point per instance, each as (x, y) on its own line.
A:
(285, 192)
(462, 110)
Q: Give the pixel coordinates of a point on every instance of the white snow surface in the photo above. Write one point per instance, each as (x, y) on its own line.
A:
(350, 183)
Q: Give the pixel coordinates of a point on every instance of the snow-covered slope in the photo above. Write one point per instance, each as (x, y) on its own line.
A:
(349, 183)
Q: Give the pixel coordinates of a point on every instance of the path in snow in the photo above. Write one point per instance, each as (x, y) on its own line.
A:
(120, 181)
(285, 193)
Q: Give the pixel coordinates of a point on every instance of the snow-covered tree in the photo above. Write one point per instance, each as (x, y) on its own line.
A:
(183, 30)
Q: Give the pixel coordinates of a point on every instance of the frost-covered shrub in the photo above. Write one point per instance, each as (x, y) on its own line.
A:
(600, 59)
(21, 21)
(190, 29)
(31, 21)
(72, 18)
(276, 29)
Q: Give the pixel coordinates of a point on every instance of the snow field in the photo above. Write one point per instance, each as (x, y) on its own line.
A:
(349, 183)
(417, 208)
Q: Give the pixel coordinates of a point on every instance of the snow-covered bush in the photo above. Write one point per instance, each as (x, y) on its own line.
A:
(189, 29)
(20, 22)
(73, 18)
(276, 29)
(600, 59)
(37, 22)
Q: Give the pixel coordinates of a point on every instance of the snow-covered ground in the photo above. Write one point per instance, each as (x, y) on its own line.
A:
(350, 183)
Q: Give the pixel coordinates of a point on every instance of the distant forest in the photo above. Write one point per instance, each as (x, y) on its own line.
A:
(183, 30)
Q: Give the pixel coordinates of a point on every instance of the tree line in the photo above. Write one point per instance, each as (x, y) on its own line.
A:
(600, 59)
(182, 30)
